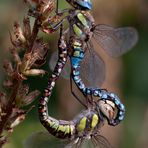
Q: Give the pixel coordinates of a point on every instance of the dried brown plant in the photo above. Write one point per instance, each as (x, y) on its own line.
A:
(33, 50)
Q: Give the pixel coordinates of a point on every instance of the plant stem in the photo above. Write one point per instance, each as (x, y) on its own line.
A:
(17, 82)
(35, 31)
(10, 105)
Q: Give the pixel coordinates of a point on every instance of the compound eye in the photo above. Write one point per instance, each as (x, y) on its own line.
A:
(108, 109)
(84, 4)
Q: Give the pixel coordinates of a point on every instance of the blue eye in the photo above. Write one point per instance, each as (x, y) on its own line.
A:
(86, 4)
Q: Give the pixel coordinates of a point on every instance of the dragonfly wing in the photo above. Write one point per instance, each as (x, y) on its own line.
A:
(80, 143)
(115, 41)
(98, 141)
(67, 68)
(92, 68)
(42, 140)
(101, 142)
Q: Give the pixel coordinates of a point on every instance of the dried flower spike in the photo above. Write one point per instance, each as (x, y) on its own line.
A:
(17, 37)
(16, 117)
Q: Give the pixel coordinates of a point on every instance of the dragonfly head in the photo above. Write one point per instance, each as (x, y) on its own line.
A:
(112, 108)
(108, 109)
(81, 4)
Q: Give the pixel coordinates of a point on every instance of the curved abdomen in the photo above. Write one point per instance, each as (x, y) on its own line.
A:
(59, 128)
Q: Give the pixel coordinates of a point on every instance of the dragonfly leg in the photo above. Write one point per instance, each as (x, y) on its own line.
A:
(56, 27)
(91, 100)
(57, 7)
(73, 93)
(49, 28)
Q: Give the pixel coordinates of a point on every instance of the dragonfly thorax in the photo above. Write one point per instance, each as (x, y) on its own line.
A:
(87, 123)
(80, 26)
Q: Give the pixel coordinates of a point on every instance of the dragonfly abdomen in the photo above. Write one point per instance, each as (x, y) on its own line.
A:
(58, 128)
(76, 58)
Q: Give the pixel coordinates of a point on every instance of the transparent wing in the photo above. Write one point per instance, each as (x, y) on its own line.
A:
(45, 140)
(92, 68)
(42, 140)
(98, 141)
(115, 41)
(75, 144)
(67, 68)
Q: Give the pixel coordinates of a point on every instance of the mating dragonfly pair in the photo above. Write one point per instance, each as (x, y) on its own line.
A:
(75, 43)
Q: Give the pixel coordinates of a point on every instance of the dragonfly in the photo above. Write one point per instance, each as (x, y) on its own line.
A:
(85, 63)
(88, 67)
(78, 45)
(86, 125)
(84, 128)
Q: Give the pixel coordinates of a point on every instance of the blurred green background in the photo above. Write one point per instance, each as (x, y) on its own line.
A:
(132, 83)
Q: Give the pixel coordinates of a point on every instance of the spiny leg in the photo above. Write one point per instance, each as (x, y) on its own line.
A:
(57, 7)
